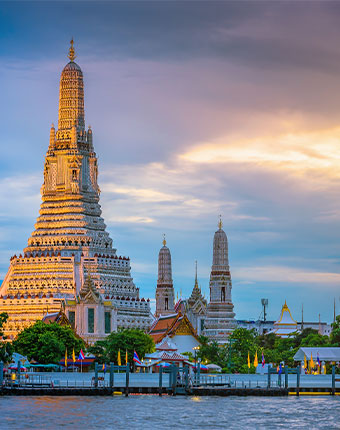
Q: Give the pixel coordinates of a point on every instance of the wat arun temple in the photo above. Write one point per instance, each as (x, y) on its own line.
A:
(70, 259)
(70, 268)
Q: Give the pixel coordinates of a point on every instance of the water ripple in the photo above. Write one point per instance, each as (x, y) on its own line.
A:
(153, 412)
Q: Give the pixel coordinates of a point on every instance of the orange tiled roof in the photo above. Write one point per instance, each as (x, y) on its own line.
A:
(168, 325)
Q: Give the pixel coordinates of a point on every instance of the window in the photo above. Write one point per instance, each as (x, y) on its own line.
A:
(223, 294)
(90, 320)
(107, 322)
(72, 318)
(166, 304)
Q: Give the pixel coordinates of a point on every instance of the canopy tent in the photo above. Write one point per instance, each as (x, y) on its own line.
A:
(325, 353)
(46, 366)
(214, 367)
(202, 366)
(23, 368)
(163, 363)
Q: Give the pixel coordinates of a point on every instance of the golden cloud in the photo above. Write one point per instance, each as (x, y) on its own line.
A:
(297, 152)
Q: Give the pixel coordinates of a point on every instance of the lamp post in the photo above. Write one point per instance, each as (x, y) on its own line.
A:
(196, 348)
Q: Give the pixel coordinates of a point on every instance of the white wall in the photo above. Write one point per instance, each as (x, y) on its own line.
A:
(185, 343)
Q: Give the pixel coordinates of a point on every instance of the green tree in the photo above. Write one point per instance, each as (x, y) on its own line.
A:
(46, 343)
(242, 343)
(129, 340)
(335, 334)
(211, 352)
(6, 348)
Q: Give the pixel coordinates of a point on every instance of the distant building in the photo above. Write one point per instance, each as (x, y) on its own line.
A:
(220, 320)
(263, 327)
(260, 326)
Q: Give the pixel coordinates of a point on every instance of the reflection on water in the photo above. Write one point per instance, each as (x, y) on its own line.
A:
(153, 412)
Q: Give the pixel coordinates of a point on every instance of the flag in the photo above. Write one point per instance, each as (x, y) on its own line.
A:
(126, 357)
(318, 359)
(305, 364)
(256, 362)
(248, 361)
(280, 369)
(73, 356)
(119, 361)
(66, 357)
(104, 367)
(136, 358)
(263, 360)
(311, 362)
(81, 355)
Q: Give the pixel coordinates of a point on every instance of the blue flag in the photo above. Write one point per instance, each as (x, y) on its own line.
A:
(280, 369)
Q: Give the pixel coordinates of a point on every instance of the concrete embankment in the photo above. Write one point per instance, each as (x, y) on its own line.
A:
(105, 391)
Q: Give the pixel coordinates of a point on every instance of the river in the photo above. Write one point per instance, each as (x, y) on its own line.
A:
(153, 412)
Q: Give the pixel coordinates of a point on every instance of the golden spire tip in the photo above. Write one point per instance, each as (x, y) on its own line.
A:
(71, 52)
(220, 223)
(164, 241)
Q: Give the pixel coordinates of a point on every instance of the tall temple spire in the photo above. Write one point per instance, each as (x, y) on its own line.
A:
(196, 281)
(70, 238)
(71, 96)
(165, 295)
(220, 250)
(220, 316)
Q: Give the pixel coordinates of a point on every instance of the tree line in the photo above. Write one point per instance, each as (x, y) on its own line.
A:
(47, 343)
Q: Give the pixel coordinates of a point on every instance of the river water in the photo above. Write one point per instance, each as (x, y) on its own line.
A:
(153, 412)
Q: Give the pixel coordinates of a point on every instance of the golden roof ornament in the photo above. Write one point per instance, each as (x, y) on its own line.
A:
(71, 52)
(164, 241)
(220, 223)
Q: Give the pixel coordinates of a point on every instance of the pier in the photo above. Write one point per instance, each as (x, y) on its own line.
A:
(172, 380)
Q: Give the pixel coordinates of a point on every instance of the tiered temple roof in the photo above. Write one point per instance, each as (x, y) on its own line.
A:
(169, 325)
(285, 325)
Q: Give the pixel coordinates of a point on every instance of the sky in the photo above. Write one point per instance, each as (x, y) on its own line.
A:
(198, 108)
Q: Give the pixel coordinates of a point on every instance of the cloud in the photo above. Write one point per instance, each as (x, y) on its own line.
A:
(286, 274)
(295, 152)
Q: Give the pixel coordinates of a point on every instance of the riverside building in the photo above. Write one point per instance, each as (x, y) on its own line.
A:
(70, 260)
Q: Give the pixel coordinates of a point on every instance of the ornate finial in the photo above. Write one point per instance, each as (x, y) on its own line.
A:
(220, 224)
(164, 241)
(71, 52)
(196, 282)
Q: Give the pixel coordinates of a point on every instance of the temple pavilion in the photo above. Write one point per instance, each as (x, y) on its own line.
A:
(285, 326)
